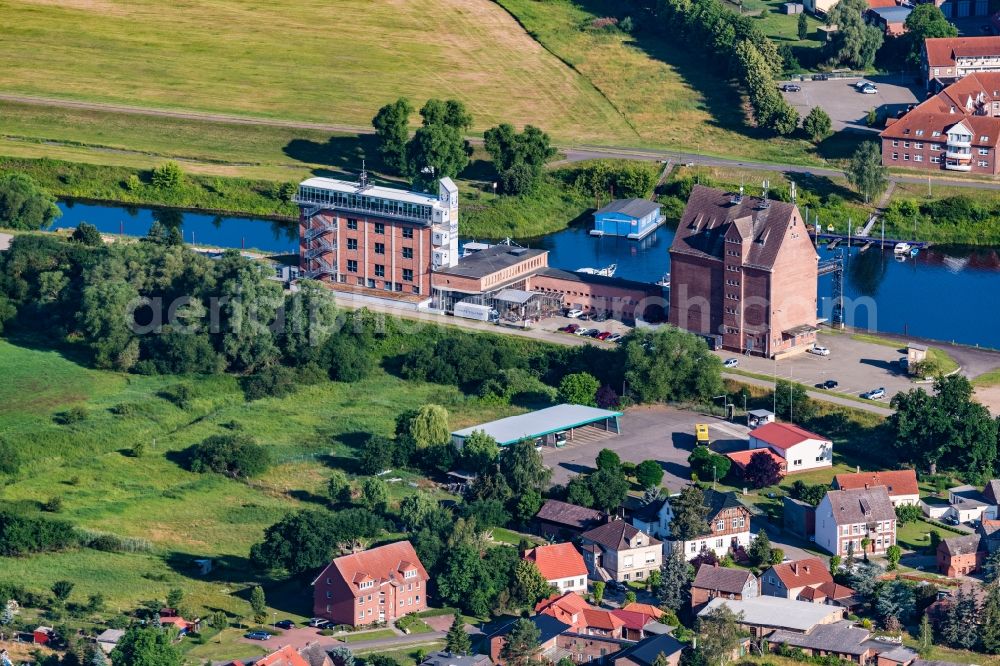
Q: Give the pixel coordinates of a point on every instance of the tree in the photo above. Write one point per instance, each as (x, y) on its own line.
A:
(234, 454)
(760, 549)
(392, 131)
(146, 646)
(792, 403)
(307, 539)
(175, 596)
(438, 149)
(909, 513)
(925, 21)
(578, 492)
(865, 171)
(649, 474)
(258, 603)
(654, 580)
(522, 467)
(720, 634)
(707, 465)
(376, 454)
(961, 613)
(690, 514)
(865, 579)
(925, 641)
(529, 586)
(855, 42)
(579, 388)
(62, 589)
(375, 494)
(167, 176)
(608, 486)
(810, 494)
(25, 205)
(835, 565)
(675, 580)
(762, 470)
(895, 600)
(342, 656)
(598, 589)
(518, 158)
(428, 426)
(88, 235)
(457, 641)
(989, 626)
(668, 364)
(991, 567)
(803, 27)
(817, 123)
(770, 110)
(479, 451)
(338, 488)
(892, 554)
(522, 644)
(526, 505)
(607, 459)
(629, 598)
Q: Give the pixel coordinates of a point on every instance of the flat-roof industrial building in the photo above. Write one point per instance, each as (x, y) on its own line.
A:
(545, 423)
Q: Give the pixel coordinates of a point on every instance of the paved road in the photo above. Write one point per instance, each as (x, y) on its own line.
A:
(572, 153)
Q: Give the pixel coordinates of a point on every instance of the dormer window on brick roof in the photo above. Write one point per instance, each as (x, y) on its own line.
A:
(920, 132)
(906, 131)
(984, 139)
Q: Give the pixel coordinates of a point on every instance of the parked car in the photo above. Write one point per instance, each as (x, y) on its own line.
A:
(586, 331)
(284, 624)
(819, 350)
(258, 635)
(569, 328)
(593, 332)
(829, 384)
(869, 90)
(318, 622)
(874, 394)
(584, 317)
(731, 363)
(573, 313)
(791, 87)
(820, 77)
(864, 84)
(604, 335)
(615, 337)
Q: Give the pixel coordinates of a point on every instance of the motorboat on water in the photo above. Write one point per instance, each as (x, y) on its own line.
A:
(664, 281)
(607, 271)
(902, 248)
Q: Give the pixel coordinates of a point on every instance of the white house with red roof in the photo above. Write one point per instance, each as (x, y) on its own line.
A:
(562, 565)
(802, 450)
(378, 585)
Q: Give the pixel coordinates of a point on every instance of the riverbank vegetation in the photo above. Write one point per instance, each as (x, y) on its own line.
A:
(948, 214)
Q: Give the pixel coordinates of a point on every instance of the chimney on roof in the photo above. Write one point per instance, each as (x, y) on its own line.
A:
(795, 568)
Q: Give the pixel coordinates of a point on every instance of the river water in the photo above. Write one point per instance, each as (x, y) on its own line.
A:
(945, 293)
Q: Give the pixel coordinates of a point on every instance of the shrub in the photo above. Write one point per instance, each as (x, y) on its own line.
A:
(125, 409)
(179, 394)
(234, 455)
(22, 535)
(275, 381)
(53, 504)
(167, 176)
(72, 415)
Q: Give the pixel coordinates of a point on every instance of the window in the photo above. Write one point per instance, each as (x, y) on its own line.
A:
(361, 600)
(983, 163)
(918, 144)
(906, 157)
(379, 228)
(418, 598)
(937, 70)
(918, 158)
(352, 243)
(895, 156)
(379, 270)
(796, 462)
(407, 253)
(935, 159)
(895, 143)
(370, 283)
(919, 132)
(361, 615)
(415, 289)
(329, 594)
(628, 561)
(639, 574)
(984, 139)
(720, 525)
(379, 248)
(367, 584)
(352, 266)
(627, 576)
(935, 133)
(407, 275)
(407, 232)
(410, 574)
(694, 548)
(984, 151)
(352, 224)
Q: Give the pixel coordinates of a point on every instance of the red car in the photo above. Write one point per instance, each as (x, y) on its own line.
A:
(604, 335)
(571, 328)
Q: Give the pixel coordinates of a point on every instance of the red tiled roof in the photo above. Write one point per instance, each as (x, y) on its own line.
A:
(645, 609)
(384, 564)
(742, 458)
(560, 560)
(602, 619)
(835, 591)
(879, 4)
(783, 435)
(631, 619)
(897, 482)
(941, 51)
(286, 656)
(807, 572)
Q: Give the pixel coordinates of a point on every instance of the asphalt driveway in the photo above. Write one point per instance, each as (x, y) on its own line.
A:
(847, 107)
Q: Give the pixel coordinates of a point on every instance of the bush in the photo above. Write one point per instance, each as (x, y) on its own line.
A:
(167, 176)
(276, 381)
(179, 394)
(234, 455)
(72, 415)
(23, 535)
(53, 504)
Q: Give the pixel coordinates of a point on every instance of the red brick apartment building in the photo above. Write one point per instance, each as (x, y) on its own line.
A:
(377, 585)
(948, 59)
(374, 240)
(958, 129)
(745, 269)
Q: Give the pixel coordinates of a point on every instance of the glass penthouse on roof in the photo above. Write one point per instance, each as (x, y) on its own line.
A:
(394, 203)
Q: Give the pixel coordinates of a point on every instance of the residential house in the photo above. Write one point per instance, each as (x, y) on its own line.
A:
(890, 20)
(630, 218)
(376, 585)
(840, 640)
(445, 658)
(805, 580)
(801, 450)
(713, 581)
(582, 618)
(741, 459)
(846, 517)
(960, 555)
(312, 654)
(744, 267)
(618, 551)
(798, 517)
(728, 522)
(646, 652)
(108, 639)
(558, 640)
(968, 503)
(762, 615)
(561, 520)
(640, 621)
(901, 484)
(561, 565)
(946, 60)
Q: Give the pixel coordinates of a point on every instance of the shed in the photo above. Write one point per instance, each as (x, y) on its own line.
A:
(915, 354)
(42, 635)
(553, 424)
(108, 639)
(759, 417)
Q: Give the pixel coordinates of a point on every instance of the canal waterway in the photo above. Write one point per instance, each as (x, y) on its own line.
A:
(945, 293)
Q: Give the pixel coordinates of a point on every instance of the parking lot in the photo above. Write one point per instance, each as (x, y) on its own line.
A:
(847, 107)
(856, 366)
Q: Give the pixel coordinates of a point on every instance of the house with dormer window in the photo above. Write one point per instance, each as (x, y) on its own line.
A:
(618, 551)
(377, 585)
(857, 519)
(728, 522)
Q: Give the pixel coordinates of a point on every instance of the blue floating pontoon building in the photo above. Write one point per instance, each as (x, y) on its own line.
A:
(632, 218)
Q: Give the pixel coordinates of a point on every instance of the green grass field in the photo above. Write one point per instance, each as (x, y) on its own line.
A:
(185, 516)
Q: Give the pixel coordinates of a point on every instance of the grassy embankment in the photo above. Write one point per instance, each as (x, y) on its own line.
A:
(183, 515)
(942, 362)
(947, 215)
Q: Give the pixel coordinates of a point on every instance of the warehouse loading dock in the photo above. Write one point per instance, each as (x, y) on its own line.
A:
(551, 425)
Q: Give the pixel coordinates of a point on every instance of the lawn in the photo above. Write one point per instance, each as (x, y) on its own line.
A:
(184, 516)
(278, 60)
(375, 635)
(915, 535)
(991, 378)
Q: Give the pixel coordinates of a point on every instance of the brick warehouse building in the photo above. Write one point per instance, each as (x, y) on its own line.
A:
(745, 269)
(958, 129)
(373, 240)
